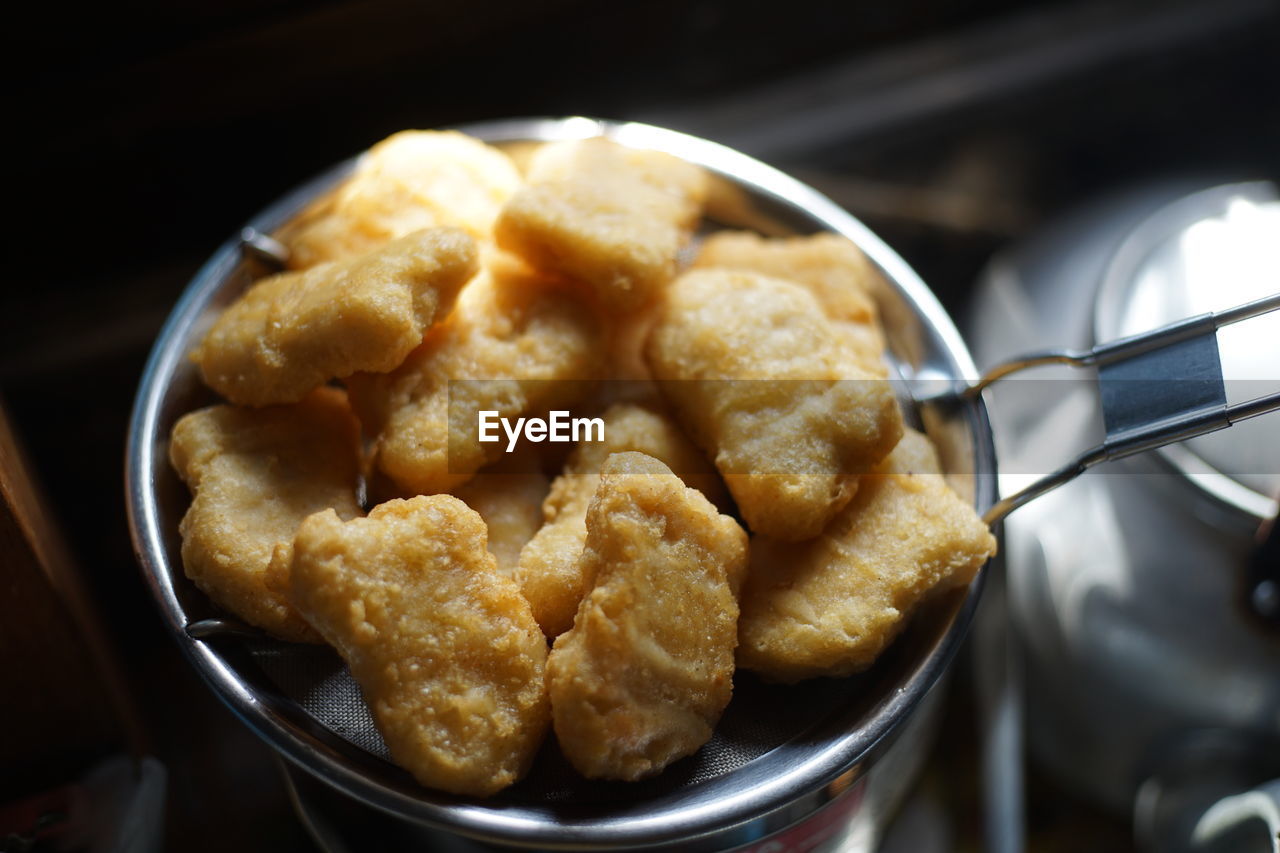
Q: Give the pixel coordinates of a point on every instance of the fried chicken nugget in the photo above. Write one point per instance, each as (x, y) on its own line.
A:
(521, 332)
(255, 475)
(829, 265)
(761, 379)
(608, 216)
(642, 677)
(552, 575)
(443, 646)
(830, 606)
(411, 180)
(292, 332)
(511, 506)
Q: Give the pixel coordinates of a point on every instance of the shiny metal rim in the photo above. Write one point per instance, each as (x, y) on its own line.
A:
(757, 803)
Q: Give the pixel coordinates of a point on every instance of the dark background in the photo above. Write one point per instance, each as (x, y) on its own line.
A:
(147, 132)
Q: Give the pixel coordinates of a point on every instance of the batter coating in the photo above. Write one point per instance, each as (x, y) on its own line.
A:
(830, 266)
(255, 474)
(511, 506)
(526, 335)
(762, 380)
(411, 180)
(647, 669)
(292, 332)
(551, 574)
(830, 606)
(443, 646)
(608, 216)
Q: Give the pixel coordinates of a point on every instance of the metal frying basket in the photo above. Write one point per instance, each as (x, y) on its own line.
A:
(780, 754)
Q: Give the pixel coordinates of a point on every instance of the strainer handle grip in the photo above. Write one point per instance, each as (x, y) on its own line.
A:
(1135, 441)
(1138, 414)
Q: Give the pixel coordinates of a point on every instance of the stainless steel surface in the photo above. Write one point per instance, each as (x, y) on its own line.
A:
(840, 735)
(207, 629)
(1262, 586)
(1208, 794)
(1241, 821)
(1127, 587)
(263, 247)
(998, 686)
(339, 824)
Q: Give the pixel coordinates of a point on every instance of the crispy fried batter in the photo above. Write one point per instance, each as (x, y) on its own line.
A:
(511, 506)
(551, 573)
(409, 181)
(831, 605)
(255, 474)
(443, 645)
(830, 266)
(770, 353)
(519, 331)
(644, 674)
(759, 376)
(292, 332)
(610, 217)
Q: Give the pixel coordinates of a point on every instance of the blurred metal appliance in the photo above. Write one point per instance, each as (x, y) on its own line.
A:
(1144, 596)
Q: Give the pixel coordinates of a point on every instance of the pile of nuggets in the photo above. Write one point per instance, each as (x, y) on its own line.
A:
(756, 399)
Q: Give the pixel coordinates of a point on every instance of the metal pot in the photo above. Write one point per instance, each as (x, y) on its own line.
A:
(1151, 647)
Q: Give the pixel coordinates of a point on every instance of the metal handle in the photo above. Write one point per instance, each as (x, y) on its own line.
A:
(1219, 825)
(1140, 413)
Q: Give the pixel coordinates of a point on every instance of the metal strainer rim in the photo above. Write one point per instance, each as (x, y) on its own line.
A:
(767, 800)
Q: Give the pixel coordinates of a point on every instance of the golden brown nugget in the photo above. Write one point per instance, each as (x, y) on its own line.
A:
(829, 265)
(642, 677)
(409, 181)
(292, 332)
(255, 475)
(511, 506)
(760, 377)
(443, 646)
(524, 334)
(608, 216)
(551, 574)
(830, 606)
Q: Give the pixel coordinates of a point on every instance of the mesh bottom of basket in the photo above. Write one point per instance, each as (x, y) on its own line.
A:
(760, 719)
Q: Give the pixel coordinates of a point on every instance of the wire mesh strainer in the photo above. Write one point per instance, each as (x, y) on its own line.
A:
(780, 753)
